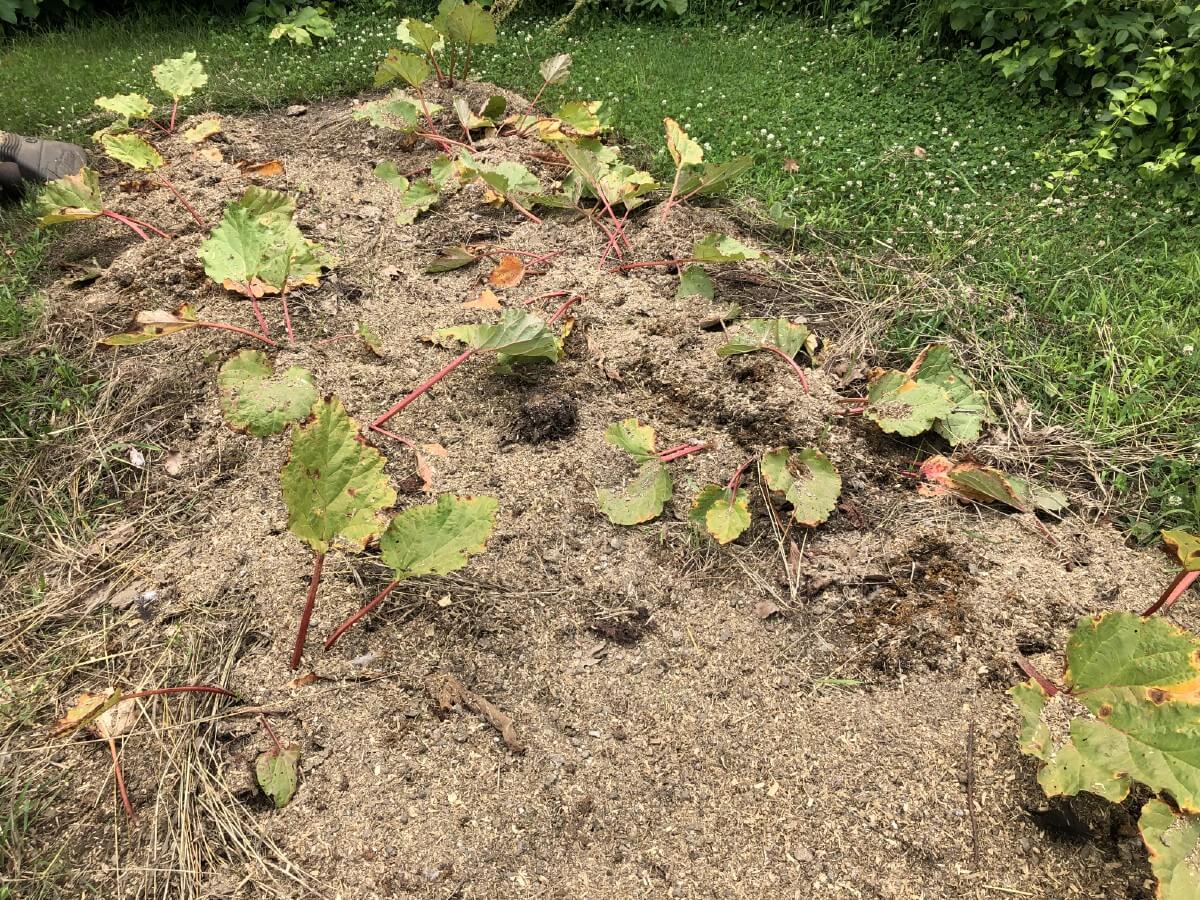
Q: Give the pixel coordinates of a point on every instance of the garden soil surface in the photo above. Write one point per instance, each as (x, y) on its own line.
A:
(803, 713)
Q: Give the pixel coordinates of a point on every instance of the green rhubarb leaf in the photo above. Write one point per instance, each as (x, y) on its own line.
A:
(470, 24)
(443, 171)
(766, 334)
(1186, 547)
(370, 339)
(467, 118)
(202, 131)
(127, 106)
(1135, 684)
(70, 199)
(556, 69)
(684, 151)
(333, 483)
(694, 282)
(408, 67)
(421, 35)
(133, 151)
(416, 197)
(634, 438)
(807, 479)
(519, 337)
(450, 259)
(1173, 842)
(495, 107)
(714, 177)
(395, 113)
(510, 179)
(256, 402)
(276, 772)
(965, 421)
(437, 538)
(899, 405)
(581, 117)
(154, 324)
(268, 206)
(724, 516)
(642, 499)
(180, 77)
(721, 248)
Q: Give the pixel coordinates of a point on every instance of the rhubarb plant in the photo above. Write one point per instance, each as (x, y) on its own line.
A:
(134, 151)
(644, 497)
(701, 179)
(396, 112)
(1186, 548)
(714, 248)
(506, 182)
(448, 41)
(416, 196)
(434, 539)
(806, 479)
(974, 482)
(413, 71)
(932, 394)
(335, 491)
(257, 401)
(156, 323)
(302, 26)
(779, 337)
(77, 197)
(178, 78)
(1129, 695)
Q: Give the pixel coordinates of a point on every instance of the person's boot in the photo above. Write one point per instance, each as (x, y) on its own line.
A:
(37, 160)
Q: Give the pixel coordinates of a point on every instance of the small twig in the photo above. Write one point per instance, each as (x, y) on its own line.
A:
(971, 795)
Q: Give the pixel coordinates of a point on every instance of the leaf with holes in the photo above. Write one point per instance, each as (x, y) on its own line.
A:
(180, 77)
(807, 480)
(719, 512)
(129, 107)
(721, 248)
(256, 401)
(276, 772)
(437, 538)
(133, 151)
(1173, 841)
(70, 199)
(900, 405)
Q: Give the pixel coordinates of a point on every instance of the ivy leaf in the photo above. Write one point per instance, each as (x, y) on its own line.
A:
(421, 35)
(721, 248)
(276, 773)
(1140, 680)
(333, 483)
(724, 516)
(395, 112)
(128, 106)
(642, 499)
(556, 69)
(470, 24)
(70, 199)
(765, 334)
(154, 324)
(965, 421)
(714, 177)
(408, 67)
(684, 151)
(133, 151)
(437, 538)
(807, 479)
(899, 405)
(202, 131)
(1173, 842)
(694, 282)
(519, 337)
(255, 402)
(1186, 547)
(180, 77)
(450, 259)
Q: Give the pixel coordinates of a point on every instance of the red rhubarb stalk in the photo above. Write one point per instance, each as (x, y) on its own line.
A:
(1174, 591)
(795, 366)
(424, 386)
(365, 611)
(306, 616)
(1031, 670)
(120, 777)
(166, 182)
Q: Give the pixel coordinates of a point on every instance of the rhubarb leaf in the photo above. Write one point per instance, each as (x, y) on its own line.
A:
(642, 499)
(437, 538)
(154, 324)
(1139, 679)
(1173, 842)
(519, 337)
(256, 401)
(965, 421)
(180, 77)
(395, 112)
(724, 516)
(128, 106)
(450, 259)
(276, 773)
(721, 248)
(899, 405)
(70, 199)
(713, 177)
(333, 483)
(132, 150)
(634, 438)
(1186, 547)
(694, 282)
(410, 68)
(807, 480)
(765, 334)
(977, 483)
(416, 197)
(421, 35)
(202, 131)
(556, 69)
(684, 151)
(470, 24)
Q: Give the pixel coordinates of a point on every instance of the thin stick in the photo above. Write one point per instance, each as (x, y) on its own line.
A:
(166, 182)
(182, 689)
(112, 748)
(306, 616)
(652, 263)
(237, 330)
(325, 342)
(971, 795)
(271, 733)
(366, 610)
(425, 385)
(1176, 589)
(791, 362)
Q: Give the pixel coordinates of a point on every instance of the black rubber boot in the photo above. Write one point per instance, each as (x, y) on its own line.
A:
(40, 160)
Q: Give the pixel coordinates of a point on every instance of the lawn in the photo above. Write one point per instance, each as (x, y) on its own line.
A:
(873, 143)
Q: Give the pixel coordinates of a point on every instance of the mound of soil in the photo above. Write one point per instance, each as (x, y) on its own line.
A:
(816, 713)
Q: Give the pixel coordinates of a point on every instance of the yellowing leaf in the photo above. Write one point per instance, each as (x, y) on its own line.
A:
(684, 151)
(634, 438)
(255, 402)
(180, 77)
(723, 515)
(556, 69)
(276, 772)
(450, 259)
(211, 154)
(70, 199)
(369, 338)
(1186, 547)
(127, 106)
(508, 272)
(333, 483)
(155, 323)
(642, 499)
(132, 150)
(807, 479)
(1173, 842)
(202, 131)
(437, 538)
(88, 707)
(973, 482)
(270, 168)
(899, 405)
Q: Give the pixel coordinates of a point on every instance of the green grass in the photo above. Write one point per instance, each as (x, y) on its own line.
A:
(1108, 271)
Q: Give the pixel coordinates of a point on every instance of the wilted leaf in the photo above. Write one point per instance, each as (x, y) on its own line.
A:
(70, 199)
(211, 154)
(1173, 842)
(1186, 547)
(721, 248)
(556, 69)
(437, 538)
(684, 151)
(469, 119)
(369, 338)
(724, 516)
(899, 405)
(276, 773)
(974, 482)
(713, 177)
(333, 483)
(127, 106)
(580, 117)
(762, 334)
(807, 479)
(408, 67)
(180, 77)
(202, 131)
(117, 720)
(88, 707)
(255, 402)
(450, 259)
(486, 300)
(173, 463)
(154, 324)
(1140, 681)
(130, 149)
(508, 272)
(694, 282)
(642, 499)
(270, 168)
(634, 438)
(415, 197)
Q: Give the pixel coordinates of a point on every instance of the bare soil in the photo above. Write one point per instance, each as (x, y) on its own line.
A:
(697, 721)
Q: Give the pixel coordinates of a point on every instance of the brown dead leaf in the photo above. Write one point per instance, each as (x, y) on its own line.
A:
(790, 166)
(209, 153)
(116, 720)
(508, 272)
(448, 692)
(764, 609)
(435, 450)
(304, 680)
(88, 707)
(139, 185)
(173, 463)
(487, 299)
(270, 168)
